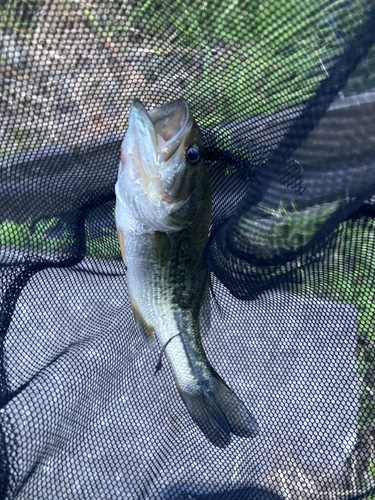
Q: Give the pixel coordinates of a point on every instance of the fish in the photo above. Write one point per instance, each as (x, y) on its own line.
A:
(163, 217)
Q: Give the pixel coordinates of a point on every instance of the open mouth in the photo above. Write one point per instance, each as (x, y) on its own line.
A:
(162, 128)
(157, 136)
(171, 123)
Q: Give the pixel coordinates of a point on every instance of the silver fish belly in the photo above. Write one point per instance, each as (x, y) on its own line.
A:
(163, 213)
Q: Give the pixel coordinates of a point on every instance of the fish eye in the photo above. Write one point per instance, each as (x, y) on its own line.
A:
(193, 156)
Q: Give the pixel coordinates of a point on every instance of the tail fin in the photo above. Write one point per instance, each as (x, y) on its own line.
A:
(218, 412)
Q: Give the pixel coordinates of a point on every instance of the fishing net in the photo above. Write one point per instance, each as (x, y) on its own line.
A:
(283, 92)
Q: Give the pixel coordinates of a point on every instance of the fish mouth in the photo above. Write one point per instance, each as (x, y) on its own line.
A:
(172, 123)
(160, 129)
(158, 147)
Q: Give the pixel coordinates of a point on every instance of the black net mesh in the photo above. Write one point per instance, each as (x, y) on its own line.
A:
(284, 93)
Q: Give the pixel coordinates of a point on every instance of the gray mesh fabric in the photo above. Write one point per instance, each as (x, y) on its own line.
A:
(284, 93)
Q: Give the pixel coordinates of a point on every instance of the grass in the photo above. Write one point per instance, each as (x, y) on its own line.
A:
(53, 237)
(284, 228)
(350, 278)
(233, 59)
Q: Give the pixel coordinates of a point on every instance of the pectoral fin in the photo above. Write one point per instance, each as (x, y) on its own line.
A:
(121, 240)
(146, 330)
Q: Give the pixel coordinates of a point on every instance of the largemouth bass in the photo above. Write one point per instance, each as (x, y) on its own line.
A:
(163, 213)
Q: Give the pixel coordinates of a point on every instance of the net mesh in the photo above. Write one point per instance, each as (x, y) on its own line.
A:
(284, 93)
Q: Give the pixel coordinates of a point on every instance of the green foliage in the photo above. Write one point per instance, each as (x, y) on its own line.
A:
(14, 234)
(372, 475)
(349, 278)
(254, 57)
(104, 247)
(38, 238)
(19, 13)
(257, 57)
(35, 237)
(284, 229)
